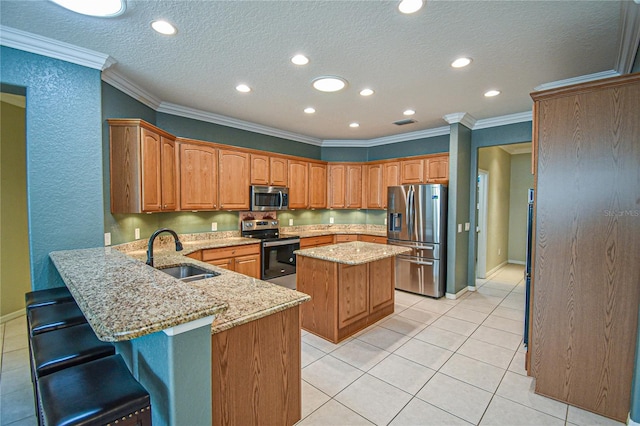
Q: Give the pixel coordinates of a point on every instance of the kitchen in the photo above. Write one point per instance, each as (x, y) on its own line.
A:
(81, 220)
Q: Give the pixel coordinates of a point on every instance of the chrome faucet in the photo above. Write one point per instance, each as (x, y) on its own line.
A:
(153, 238)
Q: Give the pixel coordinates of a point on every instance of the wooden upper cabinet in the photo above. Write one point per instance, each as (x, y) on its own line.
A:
(317, 186)
(337, 186)
(198, 177)
(259, 169)
(298, 184)
(142, 167)
(354, 186)
(412, 171)
(278, 171)
(374, 179)
(390, 177)
(234, 179)
(437, 169)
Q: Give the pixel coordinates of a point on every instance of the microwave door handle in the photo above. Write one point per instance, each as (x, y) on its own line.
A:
(281, 199)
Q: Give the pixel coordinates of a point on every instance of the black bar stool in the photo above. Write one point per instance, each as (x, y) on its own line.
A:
(102, 392)
(66, 347)
(49, 296)
(53, 317)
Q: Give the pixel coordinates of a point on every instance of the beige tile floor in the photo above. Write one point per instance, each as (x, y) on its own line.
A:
(434, 362)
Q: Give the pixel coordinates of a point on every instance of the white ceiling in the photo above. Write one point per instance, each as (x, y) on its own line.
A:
(515, 46)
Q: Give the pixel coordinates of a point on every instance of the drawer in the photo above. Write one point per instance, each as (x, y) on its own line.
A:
(322, 240)
(234, 251)
(373, 239)
(345, 238)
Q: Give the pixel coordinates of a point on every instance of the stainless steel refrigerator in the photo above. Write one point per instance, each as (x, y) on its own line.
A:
(417, 218)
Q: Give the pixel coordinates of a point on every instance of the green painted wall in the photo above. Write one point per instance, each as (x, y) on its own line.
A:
(15, 278)
(344, 154)
(433, 145)
(521, 181)
(458, 213)
(497, 162)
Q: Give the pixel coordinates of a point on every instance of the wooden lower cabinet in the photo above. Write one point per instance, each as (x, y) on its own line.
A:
(345, 238)
(243, 259)
(322, 240)
(372, 239)
(256, 372)
(344, 298)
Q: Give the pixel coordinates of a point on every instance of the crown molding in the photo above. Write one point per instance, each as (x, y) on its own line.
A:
(187, 112)
(629, 37)
(385, 140)
(577, 80)
(44, 46)
(118, 81)
(463, 118)
(519, 117)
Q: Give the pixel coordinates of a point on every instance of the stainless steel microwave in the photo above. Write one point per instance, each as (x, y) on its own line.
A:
(267, 198)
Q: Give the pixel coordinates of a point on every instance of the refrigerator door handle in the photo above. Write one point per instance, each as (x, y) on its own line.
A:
(412, 211)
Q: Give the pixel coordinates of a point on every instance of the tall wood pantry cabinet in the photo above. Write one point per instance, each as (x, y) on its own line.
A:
(586, 279)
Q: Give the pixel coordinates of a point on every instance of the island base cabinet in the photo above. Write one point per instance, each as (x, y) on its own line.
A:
(256, 372)
(344, 298)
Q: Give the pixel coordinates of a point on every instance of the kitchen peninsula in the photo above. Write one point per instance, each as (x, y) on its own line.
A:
(221, 350)
(351, 286)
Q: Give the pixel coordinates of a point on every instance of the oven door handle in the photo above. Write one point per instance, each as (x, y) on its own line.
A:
(281, 242)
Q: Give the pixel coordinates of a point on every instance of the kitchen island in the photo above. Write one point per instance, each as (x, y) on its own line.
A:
(221, 350)
(351, 286)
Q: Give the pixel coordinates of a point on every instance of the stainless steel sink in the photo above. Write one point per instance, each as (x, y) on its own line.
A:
(188, 273)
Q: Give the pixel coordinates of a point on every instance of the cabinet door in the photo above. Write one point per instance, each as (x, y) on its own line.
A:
(198, 177)
(248, 265)
(259, 169)
(234, 178)
(412, 171)
(151, 171)
(390, 177)
(375, 186)
(353, 294)
(372, 239)
(317, 186)
(381, 284)
(226, 263)
(345, 238)
(354, 186)
(337, 184)
(298, 184)
(168, 178)
(437, 169)
(278, 173)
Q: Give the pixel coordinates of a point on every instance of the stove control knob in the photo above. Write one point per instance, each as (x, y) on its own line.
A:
(249, 225)
(274, 223)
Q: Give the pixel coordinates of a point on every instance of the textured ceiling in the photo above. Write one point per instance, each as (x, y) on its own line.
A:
(515, 46)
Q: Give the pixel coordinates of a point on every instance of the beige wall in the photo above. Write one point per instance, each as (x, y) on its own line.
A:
(15, 278)
(497, 162)
(521, 181)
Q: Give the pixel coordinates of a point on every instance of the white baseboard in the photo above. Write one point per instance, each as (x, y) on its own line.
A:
(631, 422)
(472, 288)
(491, 272)
(12, 315)
(516, 262)
(458, 294)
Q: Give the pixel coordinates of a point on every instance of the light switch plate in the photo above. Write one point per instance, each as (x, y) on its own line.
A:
(214, 226)
(290, 222)
(459, 227)
(107, 239)
(137, 233)
(467, 226)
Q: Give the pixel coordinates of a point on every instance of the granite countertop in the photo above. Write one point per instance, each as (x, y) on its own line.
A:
(353, 253)
(123, 298)
(319, 230)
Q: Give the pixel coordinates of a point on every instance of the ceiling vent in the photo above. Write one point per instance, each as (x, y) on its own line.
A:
(405, 121)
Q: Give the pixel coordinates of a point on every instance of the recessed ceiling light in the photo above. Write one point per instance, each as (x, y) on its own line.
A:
(366, 92)
(309, 110)
(102, 8)
(354, 125)
(409, 112)
(243, 88)
(163, 27)
(492, 93)
(461, 62)
(410, 6)
(329, 84)
(300, 60)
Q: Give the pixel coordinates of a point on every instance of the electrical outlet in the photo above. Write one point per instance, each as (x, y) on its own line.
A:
(137, 233)
(290, 222)
(107, 239)
(467, 226)
(459, 227)
(331, 220)
(385, 221)
(214, 226)
(499, 252)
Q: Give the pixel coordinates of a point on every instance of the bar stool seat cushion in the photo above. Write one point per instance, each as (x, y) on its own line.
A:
(54, 317)
(66, 347)
(49, 296)
(97, 392)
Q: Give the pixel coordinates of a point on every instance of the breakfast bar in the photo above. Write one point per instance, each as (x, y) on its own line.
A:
(351, 287)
